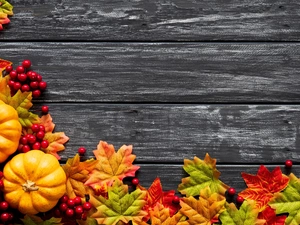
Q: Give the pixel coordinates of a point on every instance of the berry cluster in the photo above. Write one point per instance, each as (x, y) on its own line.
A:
(34, 140)
(5, 215)
(24, 79)
(72, 208)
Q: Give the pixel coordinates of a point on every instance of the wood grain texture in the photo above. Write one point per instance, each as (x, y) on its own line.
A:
(244, 134)
(261, 20)
(164, 72)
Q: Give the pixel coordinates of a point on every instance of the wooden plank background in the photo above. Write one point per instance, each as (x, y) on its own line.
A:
(175, 78)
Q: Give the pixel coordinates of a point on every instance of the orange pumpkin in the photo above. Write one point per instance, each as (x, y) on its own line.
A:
(10, 131)
(33, 182)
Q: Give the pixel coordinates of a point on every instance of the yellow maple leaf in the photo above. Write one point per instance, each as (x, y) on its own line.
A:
(112, 165)
(160, 215)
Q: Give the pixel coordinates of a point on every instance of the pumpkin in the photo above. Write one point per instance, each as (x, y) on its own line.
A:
(10, 131)
(33, 182)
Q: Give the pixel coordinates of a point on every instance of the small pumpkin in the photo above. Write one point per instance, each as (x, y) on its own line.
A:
(33, 182)
(10, 131)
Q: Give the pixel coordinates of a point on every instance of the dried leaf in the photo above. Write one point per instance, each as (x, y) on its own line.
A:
(271, 218)
(77, 174)
(46, 121)
(247, 214)
(261, 187)
(202, 173)
(202, 211)
(112, 165)
(4, 63)
(160, 215)
(288, 201)
(120, 205)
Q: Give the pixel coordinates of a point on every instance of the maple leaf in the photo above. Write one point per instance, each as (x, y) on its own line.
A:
(261, 187)
(77, 174)
(288, 201)
(4, 63)
(4, 89)
(160, 215)
(56, 140)
(202, 211)
(202, 173)
(3, 20)
(6, 7)
(247, 214)
(270, 216)
(35, 220)
(155, 194)
(112, 165)
(120, 205)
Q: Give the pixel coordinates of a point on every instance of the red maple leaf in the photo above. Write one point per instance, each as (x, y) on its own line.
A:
(261, 187)
(270, 216)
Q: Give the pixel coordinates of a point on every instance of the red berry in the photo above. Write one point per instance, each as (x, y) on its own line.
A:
(35, 128)
(77, 200)
(176, 199)
(8, 69)
(1, 174)
(42, 85)
(239, 199)
(64, 199)
(26, 148)
(17, 86)
(13, 74)
(135, 181)
(71, 203)
(288, 163)
(34, 85)
(32, 75)
(23, 140)
(36, 146)
(69, 212)
(4, 217)
(25, 88)
(84, 216)
(39, 78)
(26, 63)
(36, 93)
(20, 69)
(31, 139)
(10, 216)
(63, 207)
(45, 109)
(231, 191)
(40, 134)
(42, 128)
(81, 150)
(79, 209)
(1, 184)
(44, 144)
(22, 77)
(87, 206)
(4, 205)
(11, 83)
(57, 213)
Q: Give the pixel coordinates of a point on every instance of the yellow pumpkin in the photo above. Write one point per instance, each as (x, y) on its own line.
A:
(10, 131)
(33, 182)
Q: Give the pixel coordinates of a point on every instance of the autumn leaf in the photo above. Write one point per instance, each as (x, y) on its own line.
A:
(120, 205)
(4, 63)
(201, 211)
(35, 220)
(247, 214)
(261, 187)
(160, 215)
(4, 89)
(202, 173)
(88, 221)
(112, 165)
(56, 140)
(77, 174)
(288, 201)
(6, 7)
(271, 218)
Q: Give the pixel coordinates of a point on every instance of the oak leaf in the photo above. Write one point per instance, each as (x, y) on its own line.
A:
(247, 214)
(263, 185)
(120, 205)
(160, 215)
(202, 173)
(4, 63)
(288, 201)
(77, 174)
(203, 210)
(112, 165)
(271, 218)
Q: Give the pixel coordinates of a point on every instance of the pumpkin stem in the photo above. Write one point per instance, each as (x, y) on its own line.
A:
(29, 186)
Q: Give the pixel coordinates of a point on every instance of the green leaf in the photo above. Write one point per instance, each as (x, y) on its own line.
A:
(6, 7)
(35, 220)
(120, 206)
(203, 173)
(246, 215)
(288, 201)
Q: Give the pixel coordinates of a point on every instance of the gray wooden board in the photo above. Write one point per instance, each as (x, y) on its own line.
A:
(164, 72)
(168, 133)
(154, 20)
(171, 175)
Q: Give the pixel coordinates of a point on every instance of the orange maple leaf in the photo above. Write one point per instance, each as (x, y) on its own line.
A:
(264, 185)
(161, 216)
(112, 165)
